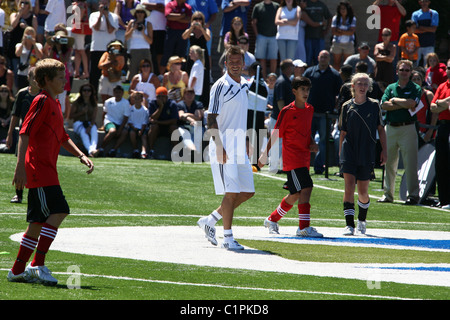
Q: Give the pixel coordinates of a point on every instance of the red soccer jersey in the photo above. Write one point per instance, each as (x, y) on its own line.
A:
(44, 124)
(294, 125)
(442, 92)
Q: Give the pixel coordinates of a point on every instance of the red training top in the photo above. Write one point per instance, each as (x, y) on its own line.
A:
(442, 92)
(294, 126)
(44, 124)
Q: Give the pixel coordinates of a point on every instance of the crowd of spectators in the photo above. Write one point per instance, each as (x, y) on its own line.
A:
(162, 50)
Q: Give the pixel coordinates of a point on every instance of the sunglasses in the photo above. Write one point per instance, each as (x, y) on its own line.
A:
(87, 90)
(448, 68)
(385, 34)
(198, 19)
(4, 91)
(145, 66)
(404, 70)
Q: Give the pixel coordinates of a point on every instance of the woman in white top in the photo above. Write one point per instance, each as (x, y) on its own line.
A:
(139, 33)
(145, 81)
(287, 17)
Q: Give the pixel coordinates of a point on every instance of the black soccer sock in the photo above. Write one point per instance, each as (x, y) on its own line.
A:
(19, 193)
(349, 212)
(363, 208)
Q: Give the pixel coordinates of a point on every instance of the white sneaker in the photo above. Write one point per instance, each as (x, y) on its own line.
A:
(21, 277)
(273, 226)
(41, 274)
(210, 232)
(232, 245)
(349, 231)
(309, 232)
(361, 227)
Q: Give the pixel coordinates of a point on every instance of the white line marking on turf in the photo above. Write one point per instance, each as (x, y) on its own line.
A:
(155, 215)
(233, 287)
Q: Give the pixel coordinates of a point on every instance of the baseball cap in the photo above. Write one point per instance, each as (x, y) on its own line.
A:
(299, 63)
(161, 91)
(364, 44)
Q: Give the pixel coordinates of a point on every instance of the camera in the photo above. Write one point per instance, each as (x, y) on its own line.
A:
(140, 26)
(61, 40)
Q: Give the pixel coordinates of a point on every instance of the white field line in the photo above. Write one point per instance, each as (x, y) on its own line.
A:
(228, 287)
(234, 218)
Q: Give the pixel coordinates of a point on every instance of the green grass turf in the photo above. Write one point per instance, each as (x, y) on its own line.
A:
(178, 191)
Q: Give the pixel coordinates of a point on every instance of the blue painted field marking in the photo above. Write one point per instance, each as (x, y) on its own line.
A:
(435, 269)
(421, 243)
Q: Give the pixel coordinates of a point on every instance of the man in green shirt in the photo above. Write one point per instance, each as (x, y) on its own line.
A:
(400, 100)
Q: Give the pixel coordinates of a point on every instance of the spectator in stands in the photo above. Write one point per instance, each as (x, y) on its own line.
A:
(2, 26)
(175, 80)
(343, 26)
(41, 15)
(84, 116)
(197, 73)
(116, 111)
(232, 9)
(137, 125)
(111, 63)
(6, 104)
(123, 11)
(191, 115)
(56, 13)
(209, 9)
(424, 115)
(441, 105)
(408, 43)
(391, 13)
(145, 81)
(178, 15)
(29, 52)
(60, 47)
(266, 46)
(80, 29)
(401, 132)
(22, 103)
(315, 35)
(199, 35)
(19, 22)
(384, 54)
(104, 25)
(163, 118)
(236, 30)
(362, 55)
(299, 68)
(158, 21)
(436, 72)
(427, 21)
(139, 36)
(249, 58)
(6, 75)
(287, 19)
(322, 76)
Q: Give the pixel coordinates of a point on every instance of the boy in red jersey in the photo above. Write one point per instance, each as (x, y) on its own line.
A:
(294, 126)
(41, 138)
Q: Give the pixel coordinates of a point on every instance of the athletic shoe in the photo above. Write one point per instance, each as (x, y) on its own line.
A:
(349, 231)
(361, 227)
(41, 274)
(16, 199)
(446, 207)
(273, 226)
(233, 245)
(21, 277)
(384, 199)
(309, 232)
(210, 232)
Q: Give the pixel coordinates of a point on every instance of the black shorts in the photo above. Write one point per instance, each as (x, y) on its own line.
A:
(360, 172)
(298, 179)
(44, 201)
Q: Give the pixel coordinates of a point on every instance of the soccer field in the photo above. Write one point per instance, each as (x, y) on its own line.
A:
(132, 235)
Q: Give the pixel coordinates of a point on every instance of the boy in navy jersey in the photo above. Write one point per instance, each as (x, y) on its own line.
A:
(294, 126)
(41, 137)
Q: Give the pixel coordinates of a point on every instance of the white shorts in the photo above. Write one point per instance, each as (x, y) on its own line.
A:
(232, 178)
(106, 87)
